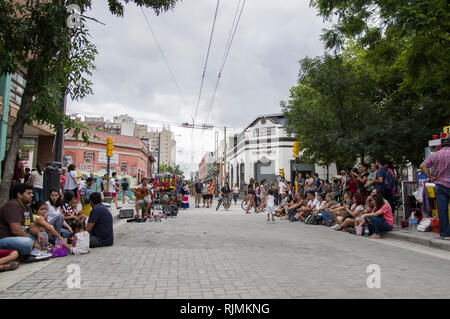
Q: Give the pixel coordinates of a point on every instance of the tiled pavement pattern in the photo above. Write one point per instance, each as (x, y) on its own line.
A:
(207, 254)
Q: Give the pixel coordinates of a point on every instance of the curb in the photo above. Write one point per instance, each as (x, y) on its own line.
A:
(425, 239)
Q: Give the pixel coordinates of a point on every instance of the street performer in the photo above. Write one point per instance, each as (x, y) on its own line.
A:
(143, 194)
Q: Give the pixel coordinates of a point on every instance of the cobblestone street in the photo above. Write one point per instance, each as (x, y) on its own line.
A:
(207, 254)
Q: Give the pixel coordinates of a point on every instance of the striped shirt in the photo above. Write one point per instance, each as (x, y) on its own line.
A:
(441, 166)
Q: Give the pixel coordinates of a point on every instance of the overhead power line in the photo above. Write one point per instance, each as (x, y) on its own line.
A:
(227, 51)
(164, 57)
(206, 60)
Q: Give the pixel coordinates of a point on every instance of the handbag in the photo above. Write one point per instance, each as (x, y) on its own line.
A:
(58, 250)
(425, 225)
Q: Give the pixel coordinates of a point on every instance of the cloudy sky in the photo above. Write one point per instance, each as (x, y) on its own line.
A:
(132, 78)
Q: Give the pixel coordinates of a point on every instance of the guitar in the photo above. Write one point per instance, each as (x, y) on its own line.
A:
(140, 193)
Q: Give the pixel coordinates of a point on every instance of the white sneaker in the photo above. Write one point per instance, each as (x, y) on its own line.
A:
(333, 227)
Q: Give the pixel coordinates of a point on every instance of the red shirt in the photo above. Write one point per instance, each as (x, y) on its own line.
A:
(352, 186)
(387, 214)
(62, 180)
(441, 166)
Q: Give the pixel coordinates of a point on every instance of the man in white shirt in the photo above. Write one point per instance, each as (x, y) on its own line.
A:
(114, 189)
(312, 203)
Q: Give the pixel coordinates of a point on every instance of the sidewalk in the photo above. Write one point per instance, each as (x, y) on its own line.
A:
(429, 239)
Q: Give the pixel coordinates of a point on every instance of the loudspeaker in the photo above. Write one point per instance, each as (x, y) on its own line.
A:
(126, 213)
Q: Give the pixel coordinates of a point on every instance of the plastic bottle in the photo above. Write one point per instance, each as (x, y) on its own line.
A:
(366, 231)
(412, 221)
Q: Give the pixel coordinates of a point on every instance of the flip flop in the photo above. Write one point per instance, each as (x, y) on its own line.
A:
(13, 265)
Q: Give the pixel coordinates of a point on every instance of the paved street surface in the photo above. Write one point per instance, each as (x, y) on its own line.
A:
(207, 254)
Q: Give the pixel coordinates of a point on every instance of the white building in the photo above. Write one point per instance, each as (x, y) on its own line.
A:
(262, 149)
(127, 124)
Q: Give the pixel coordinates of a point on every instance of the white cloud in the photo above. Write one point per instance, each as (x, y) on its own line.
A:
(261, 67)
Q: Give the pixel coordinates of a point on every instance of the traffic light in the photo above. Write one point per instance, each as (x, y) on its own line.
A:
(109, 147)
(295, 149)
(282, 172)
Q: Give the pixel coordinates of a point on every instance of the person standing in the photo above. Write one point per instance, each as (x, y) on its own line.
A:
(381, 182)
(319, 185)
(235, 193)
(37, 181)
(114, 189)
(62, 178)
(440, 163)
(125, 185)
(309, 183)
(205, 193)
(198, 186)
(301, 184)
(211, 188)
(185, 195)
(19, 173)
(251, 196)
(27, 175)
(72, 182)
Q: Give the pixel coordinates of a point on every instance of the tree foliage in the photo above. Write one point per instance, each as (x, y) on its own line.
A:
(387, 73)
(163, 168)
(58, 60)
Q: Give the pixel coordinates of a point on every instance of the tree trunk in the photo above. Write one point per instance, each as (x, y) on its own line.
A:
(16, 135)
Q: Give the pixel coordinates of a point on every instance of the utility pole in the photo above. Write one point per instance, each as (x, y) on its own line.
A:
(159, 149)
(216, 160)
(225, 155)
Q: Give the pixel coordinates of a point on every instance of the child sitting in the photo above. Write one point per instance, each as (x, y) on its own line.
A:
(40, 219)
(80, 241)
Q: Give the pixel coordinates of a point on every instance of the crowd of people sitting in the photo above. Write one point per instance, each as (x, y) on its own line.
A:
(361, 199)
(31, 226)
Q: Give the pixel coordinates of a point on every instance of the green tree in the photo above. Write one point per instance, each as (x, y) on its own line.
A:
(163, 168)
(58, 60)
(407, 45)
(331, 110)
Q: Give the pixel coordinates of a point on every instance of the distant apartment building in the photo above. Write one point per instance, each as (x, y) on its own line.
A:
(167, 143)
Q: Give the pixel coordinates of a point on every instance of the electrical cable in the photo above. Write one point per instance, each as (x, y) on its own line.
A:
(227, 51)
(164, 58)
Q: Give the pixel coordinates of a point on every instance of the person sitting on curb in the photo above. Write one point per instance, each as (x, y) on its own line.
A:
(40, 220)
(17, 230)
(308, 208)
(327, 217)
(8, 260)
(54, 215)
(352, 213)
(100, 223)
(293, 206)
(69, 209)
(320, 207)
(339, 211)
(279, 211)
(379, 220)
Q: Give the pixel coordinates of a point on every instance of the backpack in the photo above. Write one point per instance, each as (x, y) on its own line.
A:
(389, 181)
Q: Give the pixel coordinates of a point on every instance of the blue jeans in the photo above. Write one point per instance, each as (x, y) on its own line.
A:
(37, 194)
(36, 239)
(23, 245)
(376, 225)
(327, 216)
(235, 197)
(442, 197)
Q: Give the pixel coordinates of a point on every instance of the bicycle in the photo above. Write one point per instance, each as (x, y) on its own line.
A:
(226, 203)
